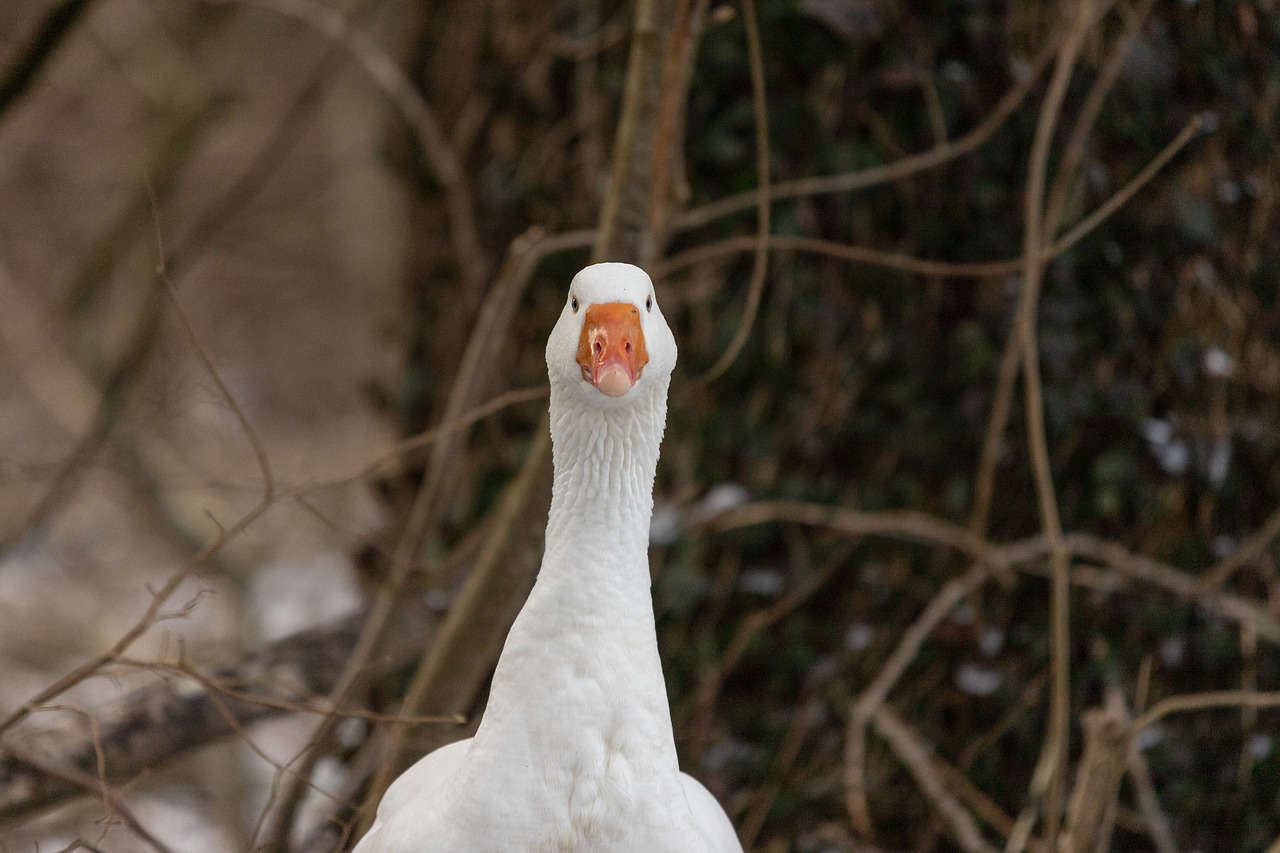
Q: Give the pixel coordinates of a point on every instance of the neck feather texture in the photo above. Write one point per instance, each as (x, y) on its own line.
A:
(604, 460)
(579, 677)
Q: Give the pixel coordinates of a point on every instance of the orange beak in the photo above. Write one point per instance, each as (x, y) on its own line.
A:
(611, 349)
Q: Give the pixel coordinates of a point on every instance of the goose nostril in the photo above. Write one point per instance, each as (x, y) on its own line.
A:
(628, 347)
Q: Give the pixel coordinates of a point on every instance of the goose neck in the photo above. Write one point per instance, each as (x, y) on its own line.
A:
(605, 460)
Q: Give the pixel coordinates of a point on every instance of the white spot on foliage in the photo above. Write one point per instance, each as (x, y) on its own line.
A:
(977, 680)
(858, 636)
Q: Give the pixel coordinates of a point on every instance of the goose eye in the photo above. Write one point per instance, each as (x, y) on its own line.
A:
(648, 303)
(573, 303)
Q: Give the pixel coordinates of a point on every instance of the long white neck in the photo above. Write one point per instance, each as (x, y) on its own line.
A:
(602, 495)
(580, 666)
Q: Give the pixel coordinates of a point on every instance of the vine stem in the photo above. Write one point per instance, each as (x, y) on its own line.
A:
(1048, 778)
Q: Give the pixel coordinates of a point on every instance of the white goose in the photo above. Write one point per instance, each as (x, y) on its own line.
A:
(575, 752)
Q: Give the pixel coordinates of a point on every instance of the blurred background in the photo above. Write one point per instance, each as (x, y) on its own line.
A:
(365, 214)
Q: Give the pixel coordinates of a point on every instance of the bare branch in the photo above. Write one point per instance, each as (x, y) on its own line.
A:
(941, 269)
(618, 236)
(1148, 803)
(912, 526)
(114, 394)
(250, 434)
(57, 22)
(162, 594)
(1047, 778)
(151, 726)
(802, 723)
(895, 171)
(912, 751)
(864, 708)
(901, 524)
(1145, 569)
(472, 259)
(466, 649)
(1248, 550)
(760, 260)
(1204, 701)
(1106, 738)
(86, 782)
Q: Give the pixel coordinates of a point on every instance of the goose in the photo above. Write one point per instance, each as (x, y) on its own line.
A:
(575, 751)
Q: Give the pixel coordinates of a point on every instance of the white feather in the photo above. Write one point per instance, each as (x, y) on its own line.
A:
(575, 752)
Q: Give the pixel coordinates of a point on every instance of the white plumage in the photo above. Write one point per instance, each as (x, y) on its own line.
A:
(575, 751)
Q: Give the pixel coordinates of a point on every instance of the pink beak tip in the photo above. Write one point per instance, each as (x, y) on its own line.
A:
(613, 380)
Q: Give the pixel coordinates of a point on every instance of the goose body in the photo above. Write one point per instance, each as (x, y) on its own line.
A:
(575, 751)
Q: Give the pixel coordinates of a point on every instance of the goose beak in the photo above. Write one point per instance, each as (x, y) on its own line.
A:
(611, 348)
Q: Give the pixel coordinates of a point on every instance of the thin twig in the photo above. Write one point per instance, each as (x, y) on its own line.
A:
(644, 37)
(1103, 211)
(916, 756)
(310, 705)
(1202, 701)
(95, 786)
(941, 269)
(250, 434)
(1148, 570)
(161, 595)
(933, 105)
(1010, 360)
(1069, 166)
(57, 23)
(760, 260)
(1047, 780)
(907, 524)
(856, 254)
(984, 477)
(1248, 714)
(1149, 804)
(114, 394)
(404, 448)
(1248, 551)
(468, 629)
(873, 696)
(803, 721)
(913, 526)
(472, 260)
(889, 172)
(752, 625)
(475, 372)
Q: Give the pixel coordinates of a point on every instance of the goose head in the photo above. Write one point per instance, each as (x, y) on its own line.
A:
(611, 339)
